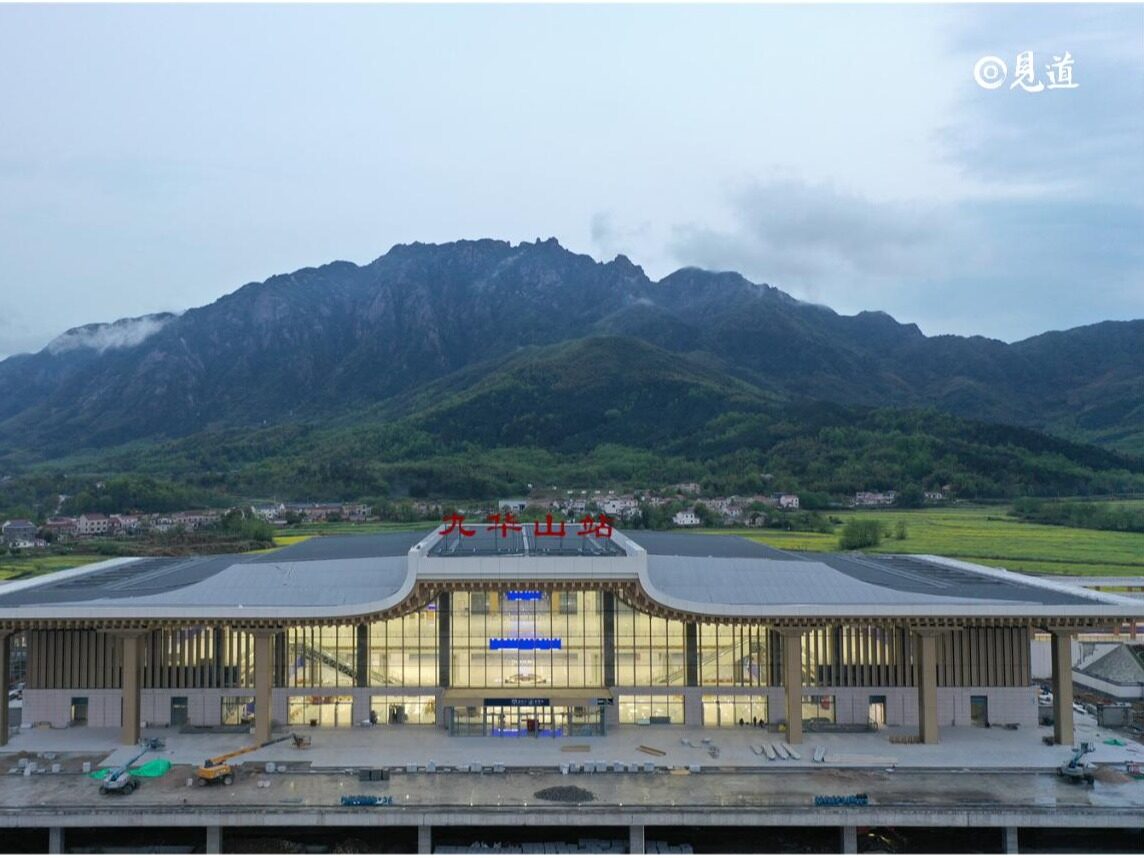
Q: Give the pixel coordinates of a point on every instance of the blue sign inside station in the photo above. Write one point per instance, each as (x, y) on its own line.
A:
(524, 643)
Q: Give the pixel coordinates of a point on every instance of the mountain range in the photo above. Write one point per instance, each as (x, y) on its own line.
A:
(531, 345)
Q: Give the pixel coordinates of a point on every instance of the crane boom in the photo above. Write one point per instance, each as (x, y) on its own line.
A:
(222, 758)
(216, 769)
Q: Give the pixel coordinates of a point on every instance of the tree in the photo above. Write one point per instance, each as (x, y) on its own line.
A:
(900, 530)
(706, 516)
(910, 497)
(860, 533)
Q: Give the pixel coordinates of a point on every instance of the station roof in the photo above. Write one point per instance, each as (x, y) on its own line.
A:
(708, 576)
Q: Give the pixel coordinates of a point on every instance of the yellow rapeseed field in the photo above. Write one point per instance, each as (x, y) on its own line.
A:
(13, 567)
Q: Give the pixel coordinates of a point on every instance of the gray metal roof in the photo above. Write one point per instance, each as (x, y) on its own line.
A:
(286, 584)
(706, 574)
(826, 581)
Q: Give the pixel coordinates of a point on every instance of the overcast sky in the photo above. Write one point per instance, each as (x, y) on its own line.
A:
(156, 157)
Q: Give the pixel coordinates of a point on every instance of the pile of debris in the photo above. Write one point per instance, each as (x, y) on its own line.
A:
(572, 794)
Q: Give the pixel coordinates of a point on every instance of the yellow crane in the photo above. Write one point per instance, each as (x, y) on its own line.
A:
(216, 769)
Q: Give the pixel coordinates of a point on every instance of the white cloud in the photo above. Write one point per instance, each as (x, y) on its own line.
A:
(114, 335)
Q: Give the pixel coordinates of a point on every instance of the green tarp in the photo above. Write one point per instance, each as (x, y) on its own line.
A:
(150, 769)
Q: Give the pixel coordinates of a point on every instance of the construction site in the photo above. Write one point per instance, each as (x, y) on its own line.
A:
(417, 693)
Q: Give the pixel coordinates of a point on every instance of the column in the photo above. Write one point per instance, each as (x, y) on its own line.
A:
(926, 660)
(55, 840)
(1009, 840)
(132, 662)
(5, 667)
(792, 682)
(214, 840)
(691, 654)
(444, 638)
(263, 686)
(424, 839)
(636, 840)
(609, 606)
(361, 653)
(1062, 687)
(849, 840)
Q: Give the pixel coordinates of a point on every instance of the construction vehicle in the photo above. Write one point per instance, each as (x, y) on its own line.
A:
(217, 770)
(1074, 769)
(120, 779)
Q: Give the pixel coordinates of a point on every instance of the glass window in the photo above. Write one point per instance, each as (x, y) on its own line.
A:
(237, 710)
(403, 651)
(649, 650)
(819, 709)
(418, 709)
(734, 710)
(320, 711)
(650, 708)
(321, 656)
(733, 655)
(548, 640)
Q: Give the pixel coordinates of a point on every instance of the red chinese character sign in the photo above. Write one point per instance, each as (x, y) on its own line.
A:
(505, 523)
(456, 523)
(600, 526)
(548, 530)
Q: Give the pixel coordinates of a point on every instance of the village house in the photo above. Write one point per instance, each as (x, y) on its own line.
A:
(315, 511)
(18, 532)
(685, 518)
(268, 511)
(620, 507)
(356, 511)
(62, 527)
(195, 519)
(787, 501)
(874, 498)
(92, 524)
(124, 525)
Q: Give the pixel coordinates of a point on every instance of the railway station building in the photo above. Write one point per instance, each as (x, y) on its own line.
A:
(516, 635)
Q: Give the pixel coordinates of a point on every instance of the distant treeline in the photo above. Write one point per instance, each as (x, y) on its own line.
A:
(1094, 516)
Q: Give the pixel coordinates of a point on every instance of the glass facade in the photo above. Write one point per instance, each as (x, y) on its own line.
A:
(818, 709)
(416, 709)
(237, 711)
(649, 650)
(650, 708)
(734, 655)
(519, 662)
(403, 651)
(726, 710)
(536, 720)
(321, 656)
(320, 711)
(526, 639)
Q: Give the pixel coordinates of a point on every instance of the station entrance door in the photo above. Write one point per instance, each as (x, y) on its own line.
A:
(566, 714)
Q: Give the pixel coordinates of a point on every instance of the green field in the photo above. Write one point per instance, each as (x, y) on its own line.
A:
(17, 567)
(976, 534)
(985, 535)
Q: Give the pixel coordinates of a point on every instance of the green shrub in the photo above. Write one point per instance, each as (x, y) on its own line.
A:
(860, 533)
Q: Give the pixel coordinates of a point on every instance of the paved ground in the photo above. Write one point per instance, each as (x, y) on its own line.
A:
(978, 768)
(518, 789)
(960, 747)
